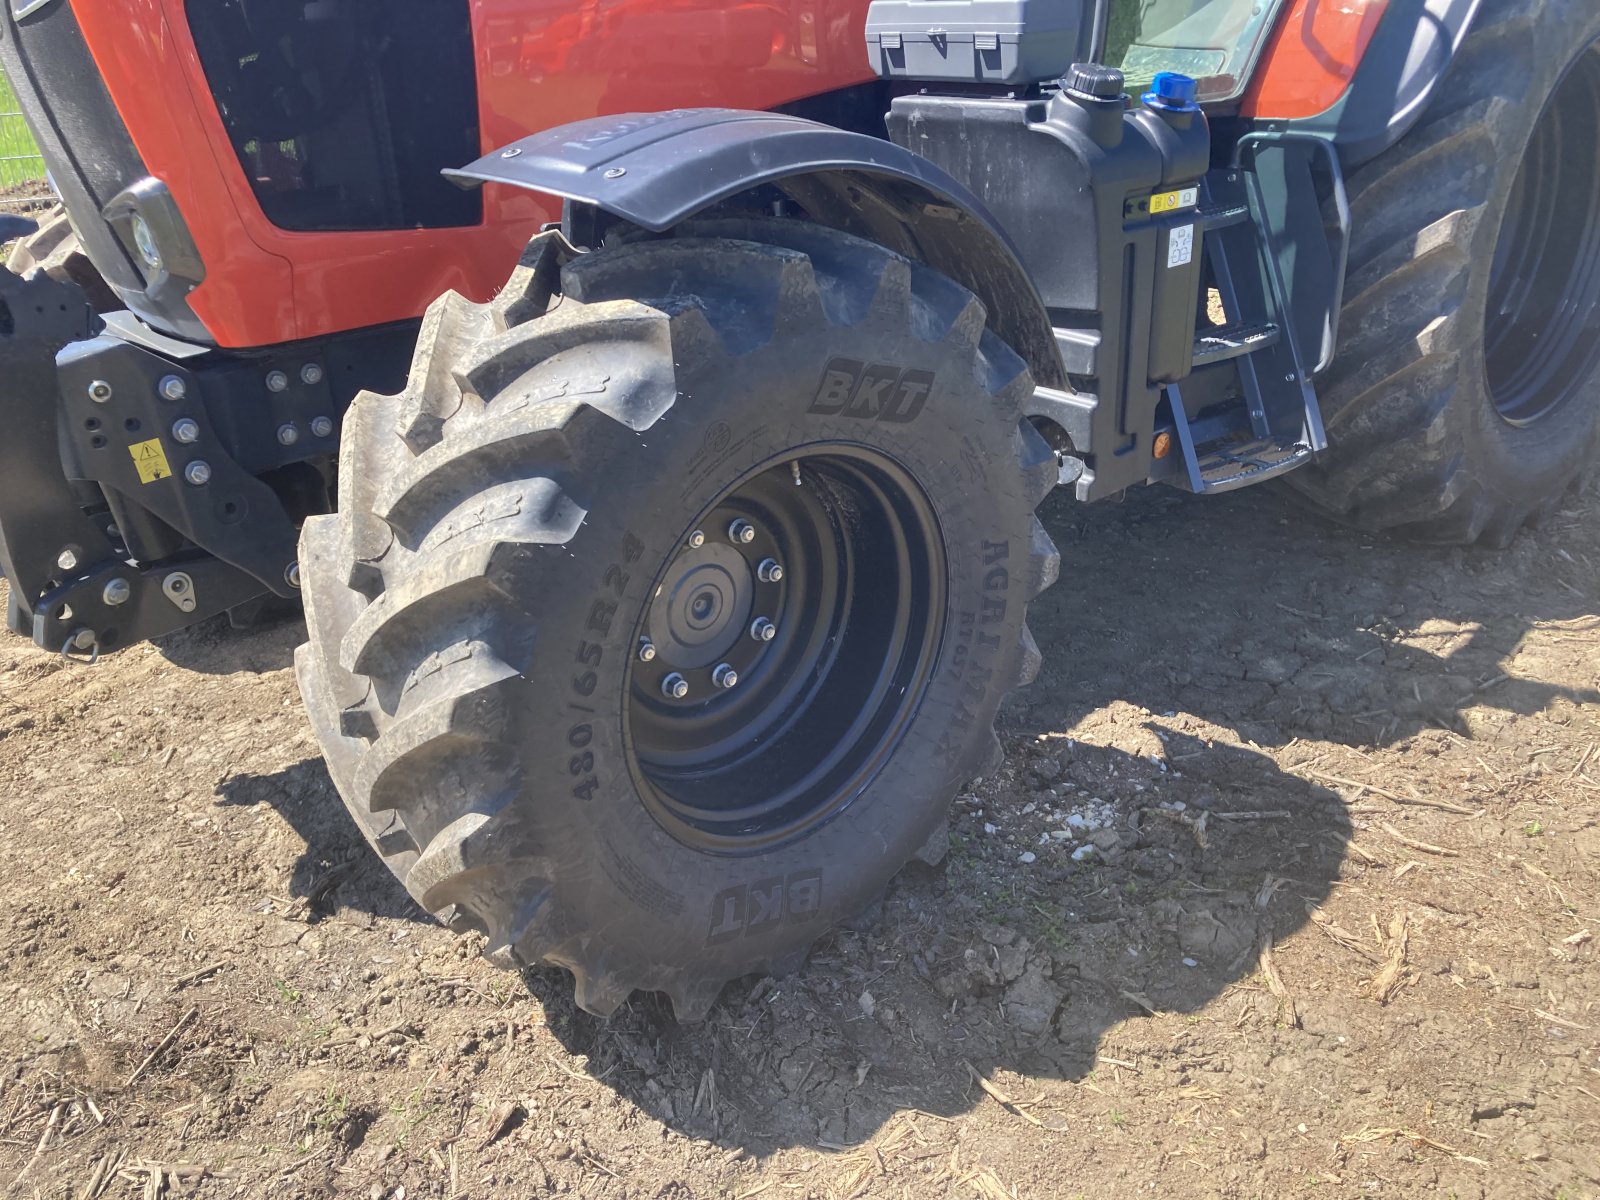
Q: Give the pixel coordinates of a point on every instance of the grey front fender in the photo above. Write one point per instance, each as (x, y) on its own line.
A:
(656, 170)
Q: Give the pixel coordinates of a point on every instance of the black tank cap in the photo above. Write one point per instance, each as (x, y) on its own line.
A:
(1093, 79)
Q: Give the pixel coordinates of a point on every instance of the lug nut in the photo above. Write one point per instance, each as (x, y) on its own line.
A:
(742, 531)
(67, 560)
(288, 434)
(198, 472)
(186, 430)
(647, 650)
(172, 388)
(118, 591)
(696, 540)
(277, 381)
(100, 392)
(311, 374)
(675, 687)
(321, 426)
(763, 630)
(725, 676)
(769, 571)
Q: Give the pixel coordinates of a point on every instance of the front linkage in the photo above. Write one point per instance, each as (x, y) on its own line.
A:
(127, 448)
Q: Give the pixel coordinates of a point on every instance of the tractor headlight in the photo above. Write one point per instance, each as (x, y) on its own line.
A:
(145, 242)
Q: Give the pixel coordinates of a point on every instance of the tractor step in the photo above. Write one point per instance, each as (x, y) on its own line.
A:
(1239, 464)
(1234, 341)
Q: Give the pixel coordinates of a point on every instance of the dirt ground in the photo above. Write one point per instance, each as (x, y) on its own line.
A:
(1336, 935)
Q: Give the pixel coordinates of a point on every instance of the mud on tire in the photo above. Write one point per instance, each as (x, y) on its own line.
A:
(1465, 397)
(514, 523)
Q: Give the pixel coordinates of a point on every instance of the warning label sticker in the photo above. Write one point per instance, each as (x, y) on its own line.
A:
(1165, 202)
(1180, 247)
(150, 460)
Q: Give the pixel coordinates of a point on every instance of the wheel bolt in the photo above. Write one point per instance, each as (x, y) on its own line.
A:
(770, 570)
(647, 650)
(763, 630)
(675, 687)
(696, 540)
(742, 531)
(725, 676)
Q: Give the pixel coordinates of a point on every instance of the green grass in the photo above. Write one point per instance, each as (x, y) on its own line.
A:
(19, 157)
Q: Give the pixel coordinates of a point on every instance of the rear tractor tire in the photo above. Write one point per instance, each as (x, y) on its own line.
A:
(668, 607)
(1466, 394)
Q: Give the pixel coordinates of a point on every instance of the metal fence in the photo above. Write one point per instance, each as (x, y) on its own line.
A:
(22, 179)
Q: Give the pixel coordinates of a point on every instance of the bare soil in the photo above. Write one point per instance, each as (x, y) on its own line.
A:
(1337, 936)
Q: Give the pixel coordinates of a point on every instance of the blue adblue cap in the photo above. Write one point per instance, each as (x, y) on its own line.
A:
(1173, 92)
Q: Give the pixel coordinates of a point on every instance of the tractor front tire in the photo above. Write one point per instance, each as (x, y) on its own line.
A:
(54, 250)
(1466, 394)
(669, 606)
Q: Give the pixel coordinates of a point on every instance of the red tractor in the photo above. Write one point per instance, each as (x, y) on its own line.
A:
(661, 596)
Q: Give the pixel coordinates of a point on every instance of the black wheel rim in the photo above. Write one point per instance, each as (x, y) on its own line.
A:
(822, 698)
(1542, 327)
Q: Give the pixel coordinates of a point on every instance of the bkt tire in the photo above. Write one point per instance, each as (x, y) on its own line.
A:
(1466, 395)
(667, 608)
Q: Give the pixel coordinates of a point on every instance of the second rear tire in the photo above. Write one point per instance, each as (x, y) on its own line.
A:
(1466, 394)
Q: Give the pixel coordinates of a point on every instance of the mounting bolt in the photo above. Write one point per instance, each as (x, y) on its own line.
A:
(100, 392)
(647, 650)
(291, 574)
(763, 630)
(742, 532)
(288, 434)
(83, 639)
(186, 430)
(277, 381)
(311, 374)
(198, 472)
(321, 426)
(67, 560)
(616, 172)
(118, 591)
(696, 540)
(770, 570)
(724, 676)
(1291, 378)
(172, 388)
(675, 687)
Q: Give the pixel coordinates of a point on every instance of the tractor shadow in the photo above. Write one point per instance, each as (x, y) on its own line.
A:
(336, 871)
(984, 963)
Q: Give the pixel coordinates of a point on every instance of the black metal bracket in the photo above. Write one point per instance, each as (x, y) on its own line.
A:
(135, 423)
(114, 604)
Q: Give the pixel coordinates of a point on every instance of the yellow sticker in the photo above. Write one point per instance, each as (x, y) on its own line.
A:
(1164, 202)
(150, 460)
